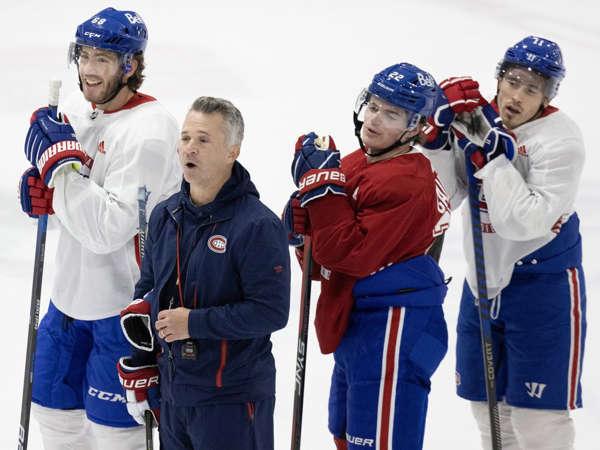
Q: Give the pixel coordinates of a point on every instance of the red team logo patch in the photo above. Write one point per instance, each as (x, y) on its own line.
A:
(217, 243)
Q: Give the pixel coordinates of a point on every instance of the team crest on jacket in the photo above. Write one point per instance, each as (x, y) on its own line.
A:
(217, 243)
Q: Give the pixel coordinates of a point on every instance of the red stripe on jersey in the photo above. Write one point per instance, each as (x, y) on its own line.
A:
(574, 362)
(138, 253)
(389, 369)
(137, 99)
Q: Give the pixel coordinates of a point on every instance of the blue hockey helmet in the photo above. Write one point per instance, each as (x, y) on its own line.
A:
(122, 32)
(539, 55)
(405, 86)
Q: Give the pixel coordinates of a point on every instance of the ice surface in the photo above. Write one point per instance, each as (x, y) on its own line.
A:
(292, 67)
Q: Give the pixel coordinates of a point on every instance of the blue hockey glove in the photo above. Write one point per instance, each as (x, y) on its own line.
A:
(295, 220)
(51, 143)
(436, 134)
(316, 168)
(34, 195)
(496, 143)
(142, 388)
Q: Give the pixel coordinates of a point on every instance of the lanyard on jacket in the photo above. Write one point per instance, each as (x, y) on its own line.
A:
(179, 281)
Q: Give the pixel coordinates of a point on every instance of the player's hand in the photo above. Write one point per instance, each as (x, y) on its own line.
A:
(497, 142)
(172, 324)
(51, 144)
(457, 96)
(135, 323)
(142, 389)
(34, 195)
(295, 220)
(316, 167)
(463, 96)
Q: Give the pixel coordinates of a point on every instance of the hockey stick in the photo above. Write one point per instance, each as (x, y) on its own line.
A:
(36, 293)
(302, 347)
(484, 306)
(143, 225)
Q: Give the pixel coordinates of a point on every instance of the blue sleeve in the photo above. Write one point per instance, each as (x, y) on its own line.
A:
(262, 263)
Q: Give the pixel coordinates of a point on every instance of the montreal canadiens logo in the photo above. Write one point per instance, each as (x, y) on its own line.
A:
(217, 243)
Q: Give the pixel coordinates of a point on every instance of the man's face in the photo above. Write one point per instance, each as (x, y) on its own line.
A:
(521, 93)
(204, 152)
(383, 125)
(100, 72)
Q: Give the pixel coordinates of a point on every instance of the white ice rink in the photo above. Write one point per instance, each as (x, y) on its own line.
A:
(292, 67)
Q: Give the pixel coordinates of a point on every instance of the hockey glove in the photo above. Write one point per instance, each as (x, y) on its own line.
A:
(316, 168)
(142, 389)
(51, 144)
(497, 142)
(136, 326)
(295, 219)
(34, 195)
(463, 96)
(458, 95)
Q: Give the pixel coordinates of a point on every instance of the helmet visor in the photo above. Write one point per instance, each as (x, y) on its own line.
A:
(524, 79)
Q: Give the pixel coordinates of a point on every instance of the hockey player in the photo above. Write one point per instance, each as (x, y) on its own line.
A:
(373, 220)
(216, 273)
(532, 246)
(87, 170)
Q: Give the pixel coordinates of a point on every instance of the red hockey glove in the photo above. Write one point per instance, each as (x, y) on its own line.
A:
(136, 326)
(142, 389)
(34, 195)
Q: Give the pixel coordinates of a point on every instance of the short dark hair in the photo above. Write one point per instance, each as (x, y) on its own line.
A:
(231, 116)
(135, 81)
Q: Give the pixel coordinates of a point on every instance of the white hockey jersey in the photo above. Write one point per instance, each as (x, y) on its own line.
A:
(521, 202)
(97, 209)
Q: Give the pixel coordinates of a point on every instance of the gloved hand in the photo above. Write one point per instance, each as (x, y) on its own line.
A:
(496, 143)
(295, 220)
(142, 389)
(457, 95)
(34, 195)
(51, 144)
(316, 168)
(463, 96)
(136, 325)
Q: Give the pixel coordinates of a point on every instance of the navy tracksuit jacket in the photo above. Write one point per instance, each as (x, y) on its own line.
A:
(231, 257)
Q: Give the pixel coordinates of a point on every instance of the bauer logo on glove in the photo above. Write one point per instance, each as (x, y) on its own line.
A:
(316, 167)
(315, 178)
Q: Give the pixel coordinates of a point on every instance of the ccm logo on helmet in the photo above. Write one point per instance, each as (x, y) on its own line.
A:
(217, 243)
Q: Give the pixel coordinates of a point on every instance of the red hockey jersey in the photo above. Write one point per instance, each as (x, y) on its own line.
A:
(393, 211)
